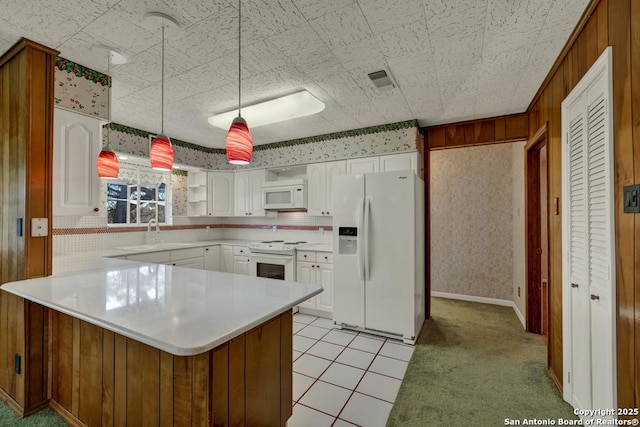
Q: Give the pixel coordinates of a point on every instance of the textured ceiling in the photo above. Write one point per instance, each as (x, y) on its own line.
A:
(452, 60)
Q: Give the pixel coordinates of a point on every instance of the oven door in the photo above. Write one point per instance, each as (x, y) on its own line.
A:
(272, 266)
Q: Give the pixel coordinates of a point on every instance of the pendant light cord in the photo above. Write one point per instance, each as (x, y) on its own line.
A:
(162, 87)
(239, 54)
(109, 82)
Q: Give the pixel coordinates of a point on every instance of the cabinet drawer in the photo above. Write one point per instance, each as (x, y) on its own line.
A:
(306, 255)
(325, 257)
(241, 250)
(186, 253)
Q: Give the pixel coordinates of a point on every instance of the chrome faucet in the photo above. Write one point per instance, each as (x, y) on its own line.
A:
(149, 239)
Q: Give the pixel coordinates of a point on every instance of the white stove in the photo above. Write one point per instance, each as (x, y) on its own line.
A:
(274, 259)
(275, 247)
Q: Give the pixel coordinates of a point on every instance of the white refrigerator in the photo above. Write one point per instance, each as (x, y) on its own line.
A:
(378, 247)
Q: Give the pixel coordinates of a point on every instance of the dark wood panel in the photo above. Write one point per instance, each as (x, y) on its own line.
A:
(202, 399)
(603, 25)
(286, 366)
(182, 390)
(108, 377)
(221, 372)
(262, 374)
(619, 37)
(120, 381)
(236, 382)
(478, 132)
(635, 100)
(90, 374)
(166, 389)
(591, 40)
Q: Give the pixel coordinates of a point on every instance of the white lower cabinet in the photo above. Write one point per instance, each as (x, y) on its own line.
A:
(241, 260)
(316, 268)
(212, 258)
(190, 263)
(226, 258)
(192, 258)
(155, 257)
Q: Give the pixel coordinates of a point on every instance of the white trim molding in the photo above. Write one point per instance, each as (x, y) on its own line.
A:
(482, 300)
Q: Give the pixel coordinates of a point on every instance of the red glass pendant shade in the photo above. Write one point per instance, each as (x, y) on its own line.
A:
(107, 164)
(161, 153)
(239, 143)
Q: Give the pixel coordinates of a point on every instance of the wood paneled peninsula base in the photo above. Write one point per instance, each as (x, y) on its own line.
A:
(185, 347)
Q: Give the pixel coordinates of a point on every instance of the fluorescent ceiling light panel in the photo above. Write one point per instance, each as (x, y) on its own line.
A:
(288, 107)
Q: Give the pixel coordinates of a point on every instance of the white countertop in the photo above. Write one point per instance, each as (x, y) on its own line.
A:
(179, 310)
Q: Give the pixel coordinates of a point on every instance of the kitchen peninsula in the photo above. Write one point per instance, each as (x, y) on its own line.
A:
(149, 344)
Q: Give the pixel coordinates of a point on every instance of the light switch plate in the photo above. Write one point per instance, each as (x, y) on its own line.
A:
(39, 227)
(632, 198)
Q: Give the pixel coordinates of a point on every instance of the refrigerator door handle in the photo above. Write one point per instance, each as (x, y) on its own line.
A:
(367, 210)
(360, 239)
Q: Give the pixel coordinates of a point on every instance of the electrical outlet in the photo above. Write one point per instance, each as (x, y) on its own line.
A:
(632, 198)
(16, 363)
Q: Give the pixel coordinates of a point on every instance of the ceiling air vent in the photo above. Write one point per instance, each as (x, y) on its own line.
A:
(381, 79)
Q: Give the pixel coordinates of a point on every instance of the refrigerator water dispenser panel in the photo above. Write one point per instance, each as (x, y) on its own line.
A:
(348, 240)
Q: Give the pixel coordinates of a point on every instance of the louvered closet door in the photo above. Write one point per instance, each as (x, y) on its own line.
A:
(600, 235)
(578, 258)
(588, 242)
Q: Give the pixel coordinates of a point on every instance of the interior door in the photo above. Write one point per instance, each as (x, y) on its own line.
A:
(544, 246)
(578, 267)
(390, 287)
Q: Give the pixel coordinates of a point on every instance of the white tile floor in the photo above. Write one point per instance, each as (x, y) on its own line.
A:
(341, 377)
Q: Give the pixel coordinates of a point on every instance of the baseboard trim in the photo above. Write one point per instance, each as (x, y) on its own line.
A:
(483, 300)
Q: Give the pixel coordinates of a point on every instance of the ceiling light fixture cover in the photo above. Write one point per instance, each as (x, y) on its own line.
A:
(293, 106)
(161, 150)
(239, 143)
(107, 164)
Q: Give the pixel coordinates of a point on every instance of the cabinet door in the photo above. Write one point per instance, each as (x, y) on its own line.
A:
(220, 193)
(189, 263)
(226, 264)
(305, 273)
(241, 265)
(212, 258)
(324, 275)
(400, 162)
(363, 165)
(256, 179)
(77, 140)
(316, 188)
(241, 181)
(333, 169)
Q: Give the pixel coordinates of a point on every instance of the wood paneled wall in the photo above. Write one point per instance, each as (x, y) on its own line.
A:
(510, 128)
(100, 378)
(26, 117)
(615, 23)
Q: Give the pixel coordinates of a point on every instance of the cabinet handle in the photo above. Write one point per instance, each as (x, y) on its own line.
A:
(575, 285)
(326, 258)
(304, 256)
(250, 213)
(96, 209)
(328, 213)
(206, 249)
(594, 297)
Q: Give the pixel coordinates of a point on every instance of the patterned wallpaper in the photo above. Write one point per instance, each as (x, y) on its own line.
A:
(80, 89)
(472, 221)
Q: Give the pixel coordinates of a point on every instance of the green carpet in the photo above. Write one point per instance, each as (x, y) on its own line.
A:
(44, 418)
(474, 365)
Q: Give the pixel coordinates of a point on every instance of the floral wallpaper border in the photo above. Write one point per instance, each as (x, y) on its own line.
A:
(144, 134)
(78, 70)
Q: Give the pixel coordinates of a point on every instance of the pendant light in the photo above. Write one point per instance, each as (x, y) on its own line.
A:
(161, 150)
(107, 162)
(239, 143)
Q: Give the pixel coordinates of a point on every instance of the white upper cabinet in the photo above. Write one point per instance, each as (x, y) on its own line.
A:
(248, 192)
(319, 184)
(363, 165)
(77, 141)
(400, 162)
(220, 193)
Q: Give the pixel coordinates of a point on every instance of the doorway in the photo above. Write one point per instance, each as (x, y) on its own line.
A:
(537, 234)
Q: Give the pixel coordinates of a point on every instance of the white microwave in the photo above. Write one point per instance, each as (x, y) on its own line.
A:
(284, 195)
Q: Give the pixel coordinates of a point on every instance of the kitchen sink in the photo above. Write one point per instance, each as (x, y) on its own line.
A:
(160, 246)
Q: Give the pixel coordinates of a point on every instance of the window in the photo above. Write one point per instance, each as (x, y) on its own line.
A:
(139, 196)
